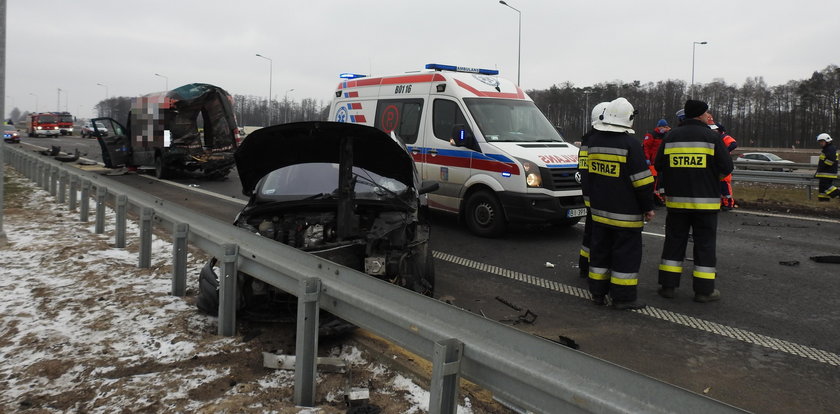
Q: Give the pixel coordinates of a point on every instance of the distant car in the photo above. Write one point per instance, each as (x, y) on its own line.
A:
(768, 157)
(89, 132)
(11, 134)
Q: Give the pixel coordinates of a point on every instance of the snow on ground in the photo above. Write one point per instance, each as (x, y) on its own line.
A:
(83, 329)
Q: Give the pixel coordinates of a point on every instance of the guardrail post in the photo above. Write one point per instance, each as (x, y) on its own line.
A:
(62, 186)
(84, 210)
(306, 345)
(53, 179)
(119, 233)
(39, 174)
(74, 188)
(180, 235)
(101, 192)
(446, 376)
(227, 290)
(145, 261)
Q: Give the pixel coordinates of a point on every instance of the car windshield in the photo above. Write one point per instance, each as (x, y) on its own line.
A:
(320, 180)
(773, 157)
(46, 119)
(508, 120)
(9, 128)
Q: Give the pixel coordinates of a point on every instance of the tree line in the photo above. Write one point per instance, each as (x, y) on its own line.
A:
(755, 114)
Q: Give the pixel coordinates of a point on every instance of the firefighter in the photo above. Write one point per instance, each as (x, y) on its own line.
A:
(651, 146)
(692, 160)
(583, 168)
(827, 168)
(620, 188)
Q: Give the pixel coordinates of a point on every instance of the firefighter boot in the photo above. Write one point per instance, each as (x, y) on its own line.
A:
(711, 297)
(667, 292)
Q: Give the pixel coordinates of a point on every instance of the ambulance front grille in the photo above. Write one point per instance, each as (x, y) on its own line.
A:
(563, 178)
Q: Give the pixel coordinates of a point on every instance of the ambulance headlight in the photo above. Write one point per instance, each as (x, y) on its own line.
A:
(532, 174)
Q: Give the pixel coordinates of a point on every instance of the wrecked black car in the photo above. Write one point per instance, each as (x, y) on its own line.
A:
(347, 193)
(188, 130)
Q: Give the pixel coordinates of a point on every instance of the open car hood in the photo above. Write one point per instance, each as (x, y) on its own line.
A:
(271, 148)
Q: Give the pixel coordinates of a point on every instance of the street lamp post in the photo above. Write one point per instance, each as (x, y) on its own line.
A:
(106, 89)
(693, 49)
(58, 104)
(270, 76)
(36, 100)
(286, 103)
(165, 80)
(585, 111)
(519, 49)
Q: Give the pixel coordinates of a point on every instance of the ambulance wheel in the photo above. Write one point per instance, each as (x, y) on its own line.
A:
(484, 215)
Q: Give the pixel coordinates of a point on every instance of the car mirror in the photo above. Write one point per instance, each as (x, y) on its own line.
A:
(428, 187)
(463, 137)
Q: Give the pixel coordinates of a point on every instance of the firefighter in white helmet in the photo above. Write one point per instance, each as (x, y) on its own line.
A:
(620, 188)
(583, 169)
(827, 168)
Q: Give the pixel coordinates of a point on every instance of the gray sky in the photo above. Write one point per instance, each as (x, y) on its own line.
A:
(73, 45)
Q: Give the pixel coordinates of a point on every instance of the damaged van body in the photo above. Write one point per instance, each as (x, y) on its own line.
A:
(346, 193)
(187, 130)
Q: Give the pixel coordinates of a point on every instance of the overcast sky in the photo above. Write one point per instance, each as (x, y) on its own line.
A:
(75, 45)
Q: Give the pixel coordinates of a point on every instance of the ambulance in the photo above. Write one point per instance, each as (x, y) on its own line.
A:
(495, 156)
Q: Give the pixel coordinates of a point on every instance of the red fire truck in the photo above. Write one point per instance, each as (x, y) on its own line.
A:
(43, 124)
(65, 122)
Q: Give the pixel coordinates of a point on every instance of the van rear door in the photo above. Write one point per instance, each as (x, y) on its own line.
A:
(113, 140)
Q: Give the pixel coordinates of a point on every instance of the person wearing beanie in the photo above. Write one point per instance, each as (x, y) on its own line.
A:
(692, 160)
(650, 144)
(620, 188)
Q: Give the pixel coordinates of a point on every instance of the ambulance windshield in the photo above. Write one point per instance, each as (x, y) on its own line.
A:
(507, 120)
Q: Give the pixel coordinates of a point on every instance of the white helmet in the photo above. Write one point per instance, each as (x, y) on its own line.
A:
(617, 117)
(597, 111)
(824, 137)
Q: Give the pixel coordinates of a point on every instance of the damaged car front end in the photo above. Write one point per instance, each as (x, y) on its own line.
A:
(347, 193)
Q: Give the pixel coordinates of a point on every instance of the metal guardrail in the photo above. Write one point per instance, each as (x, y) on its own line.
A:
(800, 174)
(530, 373)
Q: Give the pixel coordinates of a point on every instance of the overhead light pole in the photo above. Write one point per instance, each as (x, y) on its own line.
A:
(693, 49)
(36, 100)
(165, 81)
(519, 48)
(106, 89)
(58, 104)
(270, 76)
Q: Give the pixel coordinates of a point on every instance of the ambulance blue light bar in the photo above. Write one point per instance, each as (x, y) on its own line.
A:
(348, 75)
(452, 68)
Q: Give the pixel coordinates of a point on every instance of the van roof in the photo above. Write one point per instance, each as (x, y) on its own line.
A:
(465, 85)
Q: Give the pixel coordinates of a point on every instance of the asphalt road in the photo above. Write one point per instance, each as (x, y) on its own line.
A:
(769, 346)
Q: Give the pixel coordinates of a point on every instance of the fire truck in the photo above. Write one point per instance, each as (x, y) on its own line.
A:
(43, 124)
(65, 122)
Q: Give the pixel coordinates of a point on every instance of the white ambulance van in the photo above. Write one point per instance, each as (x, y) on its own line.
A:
(497, 159)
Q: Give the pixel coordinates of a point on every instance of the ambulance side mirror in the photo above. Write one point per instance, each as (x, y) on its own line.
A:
(463, 137)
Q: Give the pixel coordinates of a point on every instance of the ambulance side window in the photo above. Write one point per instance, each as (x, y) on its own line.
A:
(445, 114)
(402, 116)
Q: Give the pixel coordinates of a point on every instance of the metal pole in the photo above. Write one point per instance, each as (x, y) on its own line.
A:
(693, 49)
(62, 186)
(306, 345)
(3, 238)
(101, 193)
(180, 236)
(74, 187)
(270, 76)
(145, 260)
(227, 291)
(84, 210)
(519, 50)
(119, 226)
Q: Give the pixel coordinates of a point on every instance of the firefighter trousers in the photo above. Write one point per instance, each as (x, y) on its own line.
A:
(583, 261)
(827, 188)
(703, 229)
(615, 256)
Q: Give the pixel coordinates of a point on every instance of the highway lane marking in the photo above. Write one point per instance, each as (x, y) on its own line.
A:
(738, 334)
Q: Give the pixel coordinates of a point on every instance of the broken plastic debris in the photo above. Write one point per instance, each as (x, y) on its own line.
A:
(549, 265)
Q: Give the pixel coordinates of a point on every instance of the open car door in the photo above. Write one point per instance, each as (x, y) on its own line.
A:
(114, 140)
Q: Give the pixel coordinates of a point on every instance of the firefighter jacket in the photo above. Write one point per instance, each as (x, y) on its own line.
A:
(652, 142)
(827, 167)
(620, 183)
(583, 165)
(693, 160)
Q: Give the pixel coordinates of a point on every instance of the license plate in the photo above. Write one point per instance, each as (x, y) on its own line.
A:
(576, 212)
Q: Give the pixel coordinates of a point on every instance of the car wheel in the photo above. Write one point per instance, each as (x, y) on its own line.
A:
(161, 171)
(208, 290)
(484, 215)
